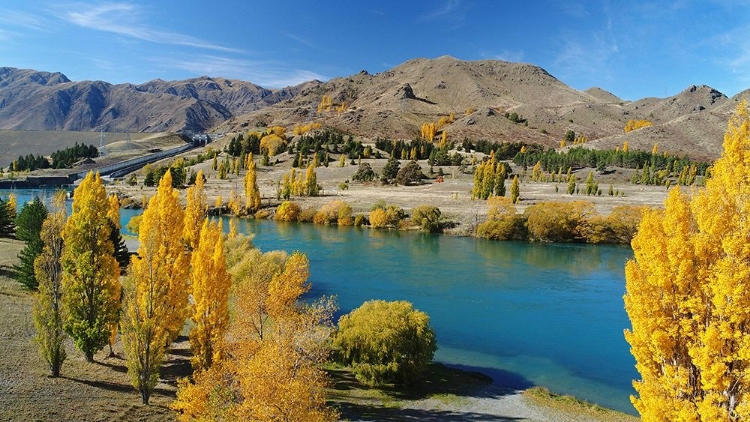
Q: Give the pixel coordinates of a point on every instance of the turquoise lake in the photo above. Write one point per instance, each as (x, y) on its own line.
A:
(525, 314)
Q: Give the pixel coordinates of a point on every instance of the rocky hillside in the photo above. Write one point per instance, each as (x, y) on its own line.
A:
(31, 100)
(392, 104)
(396, 102)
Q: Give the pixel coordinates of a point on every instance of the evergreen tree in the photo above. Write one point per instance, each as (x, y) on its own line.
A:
(390, 170)
(28, 228)
(6, 222)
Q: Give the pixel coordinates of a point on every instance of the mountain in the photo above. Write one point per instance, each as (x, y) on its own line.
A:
(396, 102)
(393, 104)
(31, 100)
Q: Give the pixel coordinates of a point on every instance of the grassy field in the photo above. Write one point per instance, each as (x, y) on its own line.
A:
(22, 142)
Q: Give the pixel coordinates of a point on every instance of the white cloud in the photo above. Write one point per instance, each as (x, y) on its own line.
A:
(126, 19)
(505, 55)
(587, 59)
(572, 8)
(270, 74)
(296, 38)
(23, 20)
(449, 8)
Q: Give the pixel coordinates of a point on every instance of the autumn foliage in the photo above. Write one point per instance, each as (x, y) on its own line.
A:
(636, 124)
(688, 296)
(271, 356)
(155, 303)
(386, 342)
(90, 271)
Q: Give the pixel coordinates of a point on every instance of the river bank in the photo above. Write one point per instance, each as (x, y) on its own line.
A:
(28, 393)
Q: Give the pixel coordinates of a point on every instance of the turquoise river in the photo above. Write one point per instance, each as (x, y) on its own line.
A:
(525, 314)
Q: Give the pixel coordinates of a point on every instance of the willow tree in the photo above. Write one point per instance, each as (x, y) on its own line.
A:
(90, 270)
(155, 303)
(688, 295)
(210, 286)
(48, 310)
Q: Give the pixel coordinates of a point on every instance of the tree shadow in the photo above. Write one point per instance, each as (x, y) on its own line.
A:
(459, 380)
(117, 368)
(105, 385)
(7, 271)
(366, 412)
(177, 365)
(381, 402)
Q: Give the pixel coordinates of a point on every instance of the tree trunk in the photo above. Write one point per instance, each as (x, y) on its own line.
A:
(144, 396)
(89, 356)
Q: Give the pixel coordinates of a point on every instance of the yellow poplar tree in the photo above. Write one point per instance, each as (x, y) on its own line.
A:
(515, 191)
(274, 348)
(688, 295)
(252, 193)
(113, 214)
(48, 310)
(195, 212)
(156, 302)
(12, 205)
(90, 270)
(210, 286)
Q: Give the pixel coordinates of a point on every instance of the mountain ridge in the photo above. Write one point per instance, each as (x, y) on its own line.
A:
(393, 103)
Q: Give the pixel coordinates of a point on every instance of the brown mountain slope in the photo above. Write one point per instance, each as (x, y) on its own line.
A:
(31, 100)
(396, 102)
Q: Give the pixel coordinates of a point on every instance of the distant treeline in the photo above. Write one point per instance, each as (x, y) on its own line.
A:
(60, 159)
(552, 160)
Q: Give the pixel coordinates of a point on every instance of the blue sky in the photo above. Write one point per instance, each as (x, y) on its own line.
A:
(634, 49)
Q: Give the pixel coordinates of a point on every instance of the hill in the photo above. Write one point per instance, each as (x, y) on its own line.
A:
(396, 102)
(32, 100)
(481, 95)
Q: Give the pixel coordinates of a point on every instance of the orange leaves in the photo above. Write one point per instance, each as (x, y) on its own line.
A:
(274, 346)
(302, 129)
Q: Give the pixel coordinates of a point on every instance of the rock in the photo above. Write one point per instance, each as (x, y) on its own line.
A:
(406, 92)
(470, 122)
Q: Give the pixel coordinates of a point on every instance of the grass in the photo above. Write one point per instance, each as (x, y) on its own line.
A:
(570, 404)
(84, 391)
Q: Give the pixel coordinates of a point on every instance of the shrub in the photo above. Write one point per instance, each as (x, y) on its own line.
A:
(558, 222)
(335, 212)
(427, 217)
(287, 211)
(364, 173)
(386, 216)
(409, 174)
(386, 342)
(503, 222)
(618, 227)
(307, 215)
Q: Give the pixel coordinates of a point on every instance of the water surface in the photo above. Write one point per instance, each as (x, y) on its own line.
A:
(525, 314)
